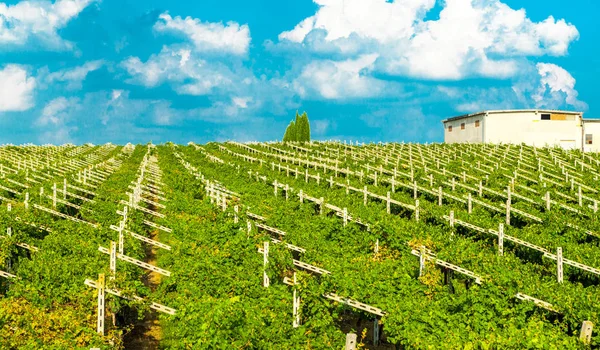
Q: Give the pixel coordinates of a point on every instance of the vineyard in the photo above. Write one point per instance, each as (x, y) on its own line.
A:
(317, 245)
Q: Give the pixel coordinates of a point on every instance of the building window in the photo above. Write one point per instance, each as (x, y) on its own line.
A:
(477, 123)
(462, 126)
(449, 128)
(588, 139)
(545, 116)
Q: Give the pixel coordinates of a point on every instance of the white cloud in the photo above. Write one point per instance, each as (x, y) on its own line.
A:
(57, 120)
(471, 38)
(375, 19)
(320, 127)
(116, 94)
(241, 102)
(340, 79)
(189, 75)
(40, 20)
(208, 37)
(57, 111)
(211, 65)
(557, 87)
(16, 89)
(74, 76)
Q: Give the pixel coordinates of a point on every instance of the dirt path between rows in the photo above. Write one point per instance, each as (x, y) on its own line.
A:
(147, 333)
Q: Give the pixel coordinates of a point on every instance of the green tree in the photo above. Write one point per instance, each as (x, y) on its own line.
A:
(290, 132)
(305, 128)
(299, 127)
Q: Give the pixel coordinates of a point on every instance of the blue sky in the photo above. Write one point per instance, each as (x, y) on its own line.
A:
(370, 70)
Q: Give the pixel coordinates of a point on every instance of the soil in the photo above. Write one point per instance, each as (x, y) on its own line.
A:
(147, 333)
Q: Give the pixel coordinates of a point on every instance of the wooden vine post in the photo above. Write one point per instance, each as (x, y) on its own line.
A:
(350, 341)
(421, 261)
(469, 203)
(388, 203)
(101, 301)
(265, 262)
(417, 210)
(501, 239)
(375, 331)
(586, 332)
(508, 211)
(559, 264)
(121, 228)
(321, 204)
(415, 189)
(113, 260)
(296, 306)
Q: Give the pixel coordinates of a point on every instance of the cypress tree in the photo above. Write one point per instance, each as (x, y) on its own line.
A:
(292, 135)
(286, 136)
(305, 128)
(299, 127)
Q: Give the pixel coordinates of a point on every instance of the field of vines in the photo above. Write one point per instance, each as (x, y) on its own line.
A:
(320, 245)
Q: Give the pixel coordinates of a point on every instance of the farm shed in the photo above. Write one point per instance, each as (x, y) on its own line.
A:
(533, 127)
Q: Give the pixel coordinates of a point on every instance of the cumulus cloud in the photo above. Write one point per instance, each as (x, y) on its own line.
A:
(209, 63)
(339, 79)
(57, 111)
(205, 63)
(16, 89)
(38, 20)
(470, 38)
(230, 38)
(74, 76)
(544, 85)
(109, 115)
(58, 120)
(557, 87)
(188, 75)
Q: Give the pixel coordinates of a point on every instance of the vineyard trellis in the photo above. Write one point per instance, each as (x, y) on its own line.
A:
(361, 234)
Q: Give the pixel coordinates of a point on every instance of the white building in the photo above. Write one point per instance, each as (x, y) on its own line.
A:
(533, 127)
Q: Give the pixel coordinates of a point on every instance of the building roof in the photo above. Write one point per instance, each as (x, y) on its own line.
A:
(512, 111)
(591, 120)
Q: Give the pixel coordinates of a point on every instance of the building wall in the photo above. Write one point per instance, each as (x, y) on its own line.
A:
(527, 127)
(592, 128)
(471, 133)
